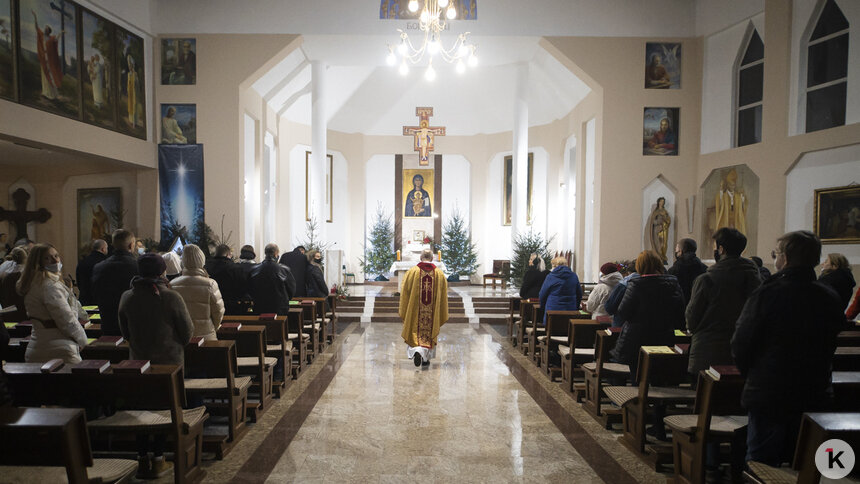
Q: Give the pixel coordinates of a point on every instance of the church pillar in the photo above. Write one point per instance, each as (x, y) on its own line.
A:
(520, 152)
(319, 128)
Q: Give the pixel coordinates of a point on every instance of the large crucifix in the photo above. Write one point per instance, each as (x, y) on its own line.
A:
(423, 134)
(20, 216)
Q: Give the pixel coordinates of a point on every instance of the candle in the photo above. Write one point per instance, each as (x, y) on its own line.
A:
(398, 255)
(440, 255)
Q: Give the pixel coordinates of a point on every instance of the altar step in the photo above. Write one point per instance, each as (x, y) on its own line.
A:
(486, 309)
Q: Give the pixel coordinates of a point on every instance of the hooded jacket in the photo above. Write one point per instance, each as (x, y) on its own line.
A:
(717, 300)
(560, 291)
(48, 299)
(156, 325)
(652, 309)
(596, 303)
(200, 293)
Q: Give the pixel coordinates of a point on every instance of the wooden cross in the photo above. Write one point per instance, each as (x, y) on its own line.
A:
(423, 134)
(20, 216)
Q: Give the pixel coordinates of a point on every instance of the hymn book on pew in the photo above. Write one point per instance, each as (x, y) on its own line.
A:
(52, 365)
(614, 329)
(8, 309)
(723, 370)
(232, 326)
(10, 325)
(109, 340)
(131, 366)
(682, 348)
(196, 341)
(91, 366)
(663, 350)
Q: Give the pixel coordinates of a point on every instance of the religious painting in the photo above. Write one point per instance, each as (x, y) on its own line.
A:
(328, 209)
(180, 185)
(417, 193)
(7, 73)
(660, 132)
(178, 62)
(662, 65)
(730, 199)
(508, 187)
(837, 215)
(99, 91)
(418, 236)
(48, 56)
(179, 124)
(423, 135)
(99, 214)
(131, 108)
(399, 9)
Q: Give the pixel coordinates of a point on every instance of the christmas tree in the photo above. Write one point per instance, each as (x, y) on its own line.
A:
(526, 244)
(458, 251)
(380, 255)
(312, 238)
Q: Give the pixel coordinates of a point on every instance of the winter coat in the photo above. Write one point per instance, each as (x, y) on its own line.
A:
(532, 282)
(316, 286)
(687, 268)
(9, 296)
(156, 325)
(231, 277)
(560, 291)
(299, 266)
(203, 300)
(842, 281)
(784, 342)
(615, 298)
(84, 275)
(596, 303)
(57, 332)
(718, 298)
(652, 309)
(111, 278)
(271, 286)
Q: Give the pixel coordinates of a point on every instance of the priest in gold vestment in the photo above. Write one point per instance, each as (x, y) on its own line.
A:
(423, 308)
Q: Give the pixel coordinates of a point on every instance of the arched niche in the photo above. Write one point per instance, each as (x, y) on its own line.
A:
(730, 194)
(658, 188)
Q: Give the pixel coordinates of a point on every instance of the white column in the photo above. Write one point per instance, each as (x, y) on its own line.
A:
(319, 127)
(520, 151)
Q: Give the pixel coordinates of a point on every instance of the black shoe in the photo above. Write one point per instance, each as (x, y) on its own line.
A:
(417, 359)
(425, 363)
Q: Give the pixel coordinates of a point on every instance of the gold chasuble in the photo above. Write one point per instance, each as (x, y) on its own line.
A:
(423, 305)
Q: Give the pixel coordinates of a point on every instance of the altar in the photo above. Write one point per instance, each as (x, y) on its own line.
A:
(400, 267)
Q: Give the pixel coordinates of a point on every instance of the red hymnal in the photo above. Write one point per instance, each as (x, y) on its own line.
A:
(109, 340)
(196, 341)
(268, 316)
(131, 366)
(723, 370)
(682, 348)
(91, 366)
(233, 326)
(52, 365)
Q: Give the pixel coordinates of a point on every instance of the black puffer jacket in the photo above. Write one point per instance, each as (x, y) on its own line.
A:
(784, 342)
(842, 281)
(718, 298)
(652, 308)
(111, 278)
(687, 268)
(299, 266)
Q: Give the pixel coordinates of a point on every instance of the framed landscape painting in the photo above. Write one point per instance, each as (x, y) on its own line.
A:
(99, 214)
(48, 56)
(99, 89)
(131, 108)
(7, 64)
(836, 216)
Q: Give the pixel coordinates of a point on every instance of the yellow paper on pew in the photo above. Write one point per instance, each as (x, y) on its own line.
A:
(659, 350)
(90, 340)
(90, 308)
(95, 316)
(678, 332)
(10, 325)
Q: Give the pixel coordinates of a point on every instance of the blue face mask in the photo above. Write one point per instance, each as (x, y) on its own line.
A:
(140, 250)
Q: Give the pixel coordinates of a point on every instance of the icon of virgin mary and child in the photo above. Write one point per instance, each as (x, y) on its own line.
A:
(418, 200)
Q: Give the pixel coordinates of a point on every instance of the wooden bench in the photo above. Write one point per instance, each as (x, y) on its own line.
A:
(597, 373)
(513, 315)
(532, 326)
(312, 328)
(815, 428)
(150, 402)
(251, 360)
(848, 338)
(846, 390)
(846, 358)
(299, 339)
(277, 344)
(501, 268)
(580, 348)
(52, 445)
(717, 418)
(556, 334)
(326, 333)
(110, 352)
(210, 376)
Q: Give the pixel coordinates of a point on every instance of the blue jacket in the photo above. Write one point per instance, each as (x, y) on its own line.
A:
(560, 291)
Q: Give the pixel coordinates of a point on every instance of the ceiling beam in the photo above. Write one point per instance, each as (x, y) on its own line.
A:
(286, 80)
(292, 99)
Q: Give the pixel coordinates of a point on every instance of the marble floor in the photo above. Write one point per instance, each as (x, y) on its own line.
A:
(479, 413)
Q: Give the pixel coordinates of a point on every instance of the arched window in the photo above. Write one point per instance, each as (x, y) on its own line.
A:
(750, 82)
(827, 70)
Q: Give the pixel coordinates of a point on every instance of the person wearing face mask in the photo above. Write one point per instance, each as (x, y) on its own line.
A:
(783, 345)
(51, 305)
(687, 266)
(315, 282)
(139, 248)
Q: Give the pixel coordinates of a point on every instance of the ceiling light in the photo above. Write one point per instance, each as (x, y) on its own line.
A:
(430, 73)
(461, 68)
(431, 25)
(413, 5)
(451, 13)
(403, 69)
(390, 59)
(443, 3)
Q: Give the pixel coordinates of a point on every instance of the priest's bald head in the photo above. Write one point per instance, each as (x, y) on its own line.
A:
(426, 255)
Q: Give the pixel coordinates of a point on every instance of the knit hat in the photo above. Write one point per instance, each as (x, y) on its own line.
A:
(172, 261)
(151, 265)
(192, 257)
(608, 268)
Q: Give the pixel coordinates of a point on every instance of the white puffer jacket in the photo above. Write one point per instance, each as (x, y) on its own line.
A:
(200, 292)
(596, 303)
(48, 299)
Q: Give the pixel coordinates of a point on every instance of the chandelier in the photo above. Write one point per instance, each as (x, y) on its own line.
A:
(431, 22)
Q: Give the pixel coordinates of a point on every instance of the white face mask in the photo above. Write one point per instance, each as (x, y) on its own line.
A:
(55, 268)
(140, 250)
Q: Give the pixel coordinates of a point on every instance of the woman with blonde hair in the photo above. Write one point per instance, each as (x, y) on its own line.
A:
(52, 306)
(836, 273)
(200, 292)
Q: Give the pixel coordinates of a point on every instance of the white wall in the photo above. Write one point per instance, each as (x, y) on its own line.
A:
(821, 169)
(590, 233)
(713, 16)
(496, 241)
(456, 188)
(379, 181)
(802, 26)
(337, 232)
(721, 52)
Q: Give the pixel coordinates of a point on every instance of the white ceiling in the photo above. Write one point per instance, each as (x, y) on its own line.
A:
(364, 95)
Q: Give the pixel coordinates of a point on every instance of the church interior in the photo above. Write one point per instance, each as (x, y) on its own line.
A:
(379, 133)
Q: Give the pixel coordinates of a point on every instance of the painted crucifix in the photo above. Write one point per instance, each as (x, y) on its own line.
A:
(423, 134)
(20, 216)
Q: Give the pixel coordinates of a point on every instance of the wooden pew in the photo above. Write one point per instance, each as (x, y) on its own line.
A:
(717, 417)
(297, 336)
(210, 375)
(846, 390)
(326, 334)
(277, 344)
(846, 359)
(252, 361)
(511, 319)
(533, 328)
(580, 348)
(112, 353)
(661, 373)
(311, 327)
(848, 338)
(151, 401)
(597, 373)
(49, 444)
(556, 334)
(527, 313)
(815, 428)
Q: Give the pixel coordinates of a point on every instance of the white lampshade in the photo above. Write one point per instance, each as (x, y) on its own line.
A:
(451, 13)
(413, 5)
(443, 3)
